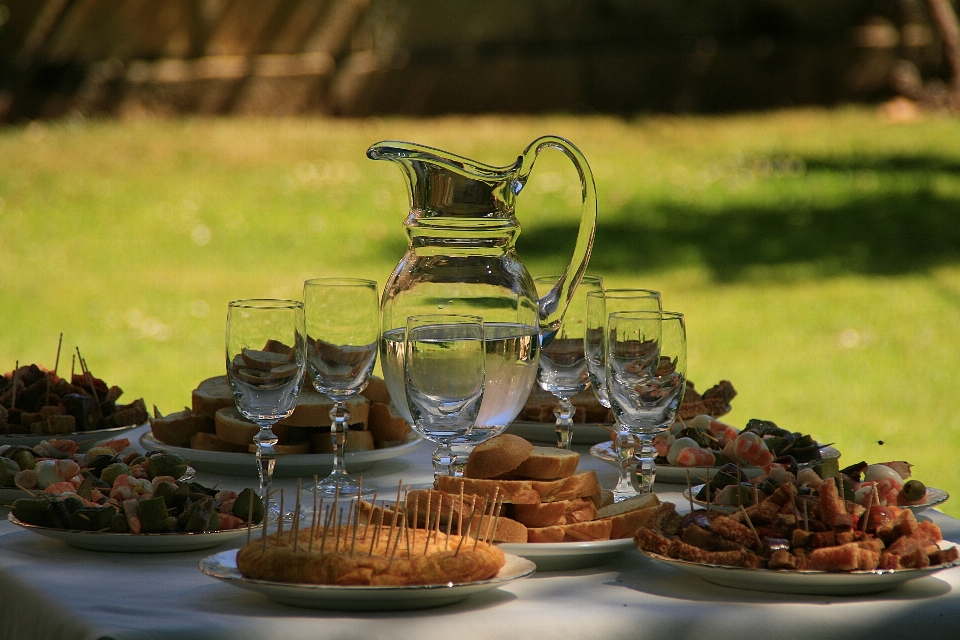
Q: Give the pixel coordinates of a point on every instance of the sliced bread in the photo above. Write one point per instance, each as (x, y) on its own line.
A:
(548, 463)
(211, 395)
(497, 456)
(577, 532)
(548, 514)
(580, 485)
(176, 429)
(628, 516)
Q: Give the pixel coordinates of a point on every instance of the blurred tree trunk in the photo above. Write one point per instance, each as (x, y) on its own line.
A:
(945, 19)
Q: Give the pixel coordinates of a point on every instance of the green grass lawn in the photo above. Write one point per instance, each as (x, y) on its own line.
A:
(815, 253)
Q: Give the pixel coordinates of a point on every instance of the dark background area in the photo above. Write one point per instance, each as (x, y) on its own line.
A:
(428, 57)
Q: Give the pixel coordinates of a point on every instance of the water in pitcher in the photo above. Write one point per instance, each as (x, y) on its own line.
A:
(511, 369)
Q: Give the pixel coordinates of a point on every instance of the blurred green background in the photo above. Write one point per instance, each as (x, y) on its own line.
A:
(815, 252)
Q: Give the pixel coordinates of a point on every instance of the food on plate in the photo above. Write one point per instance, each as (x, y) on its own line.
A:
(789, 531)
(704, 441)
(543, 498)
(36, 401)
(886, 483)
(106, 490)
(214, 424)
(376, 545)
(541, 404)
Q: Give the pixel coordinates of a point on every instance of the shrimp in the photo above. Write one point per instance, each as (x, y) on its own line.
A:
(695, 457)
(127, 487)
(58, 448)
(54, 471)
(60, 488)
(749, 449)
(117, 444)
(131, 510)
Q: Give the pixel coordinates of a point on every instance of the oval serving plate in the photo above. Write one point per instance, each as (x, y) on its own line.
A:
(223, 566)
(290, 465)
(678, 475)
(137, 543)
(813, 583)
(562, 556)
(85, 439)
(933, 498)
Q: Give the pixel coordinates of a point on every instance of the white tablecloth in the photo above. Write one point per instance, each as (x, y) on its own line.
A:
(49, 590)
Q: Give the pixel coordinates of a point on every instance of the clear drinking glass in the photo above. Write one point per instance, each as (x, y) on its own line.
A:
(646, 378)
(562, 366)
(444, 379)
(599, 307)
(343, 331)
(265, 349)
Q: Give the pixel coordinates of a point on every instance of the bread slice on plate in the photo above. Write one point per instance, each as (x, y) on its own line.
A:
(548, 463)
(497, 456)
(548, 514)
(577, 532)
(580, 485)
(628, 516)
(176, 429)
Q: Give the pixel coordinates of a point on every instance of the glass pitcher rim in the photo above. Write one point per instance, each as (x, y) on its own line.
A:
(412, 151)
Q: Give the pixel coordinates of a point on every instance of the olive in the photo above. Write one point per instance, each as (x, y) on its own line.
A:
(24, 459)
(914, 490)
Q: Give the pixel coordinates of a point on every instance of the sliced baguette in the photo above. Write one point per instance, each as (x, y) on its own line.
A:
(548, 463)
(203, 441)
(548, 514)
(313, 410)
(376, 391)
(176, 429)
(501, 529)
(497, 456)
(628, 516)
(356, 441)
(580, 485)
(386, 424)
(211, 395)
(577, 532)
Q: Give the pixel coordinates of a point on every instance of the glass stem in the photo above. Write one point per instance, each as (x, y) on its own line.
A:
(339, 416)
(646, 467)
(626, 445)
(444, 460)
(266, 460)
(564, 413)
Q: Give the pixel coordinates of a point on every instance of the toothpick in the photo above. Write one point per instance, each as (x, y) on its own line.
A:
(87, 376)
(755, 534)
(56, 365)
(416, 505)
(496, 494)
(806, 520)
(313, 519)
(756, 494)
(376, 531)
(16, 376)
(356, 525)
(295, 530)
(280, 520)
(426, 525)
(709, 499)
(263, 530)
(446, 543)
(436, 524)
(496, 521)
(396, 543)
(473, 511)
(866, 515)
(73, 367)
(689, 491)
(326, 529)
(373, 508)
(739, 495)
(460, 514)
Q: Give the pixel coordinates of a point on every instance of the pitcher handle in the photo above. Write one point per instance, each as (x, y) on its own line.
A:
(554, 304)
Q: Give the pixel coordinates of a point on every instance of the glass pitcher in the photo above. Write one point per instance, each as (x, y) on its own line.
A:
(461, 260)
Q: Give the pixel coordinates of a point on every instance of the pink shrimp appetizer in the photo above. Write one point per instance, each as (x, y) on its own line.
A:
(696, 457)
(751, 450)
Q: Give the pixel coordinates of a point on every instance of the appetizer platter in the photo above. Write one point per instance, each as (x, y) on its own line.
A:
(288, 465)
(36, 405)
(223, 566)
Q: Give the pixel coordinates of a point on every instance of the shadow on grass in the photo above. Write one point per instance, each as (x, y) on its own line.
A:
(886, 233)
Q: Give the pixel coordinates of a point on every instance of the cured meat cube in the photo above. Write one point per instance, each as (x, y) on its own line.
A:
(841, 558)
(783, 559)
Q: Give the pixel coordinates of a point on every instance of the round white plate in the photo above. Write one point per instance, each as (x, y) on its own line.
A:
(546, 433)
(562, 556)
(814, 583)
(223, 566)
(290, 465)
(9, 495)
(137, 543)
(678, 475)
(933, 498)
(85, 439)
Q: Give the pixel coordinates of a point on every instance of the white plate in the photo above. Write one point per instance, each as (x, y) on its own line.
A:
(546, 433)
(85, 439)
(814, 583)
(290, 465)
(561, 556)
(934, 497)
(223, 566)
(9, 496)
(678, 475)
(137, 543)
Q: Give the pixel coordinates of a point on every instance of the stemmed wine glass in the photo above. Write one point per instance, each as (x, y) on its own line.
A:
(562, 365)
(265, 348)
(646, 378)
(444, 379)
(343, 329)
(600, 304)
